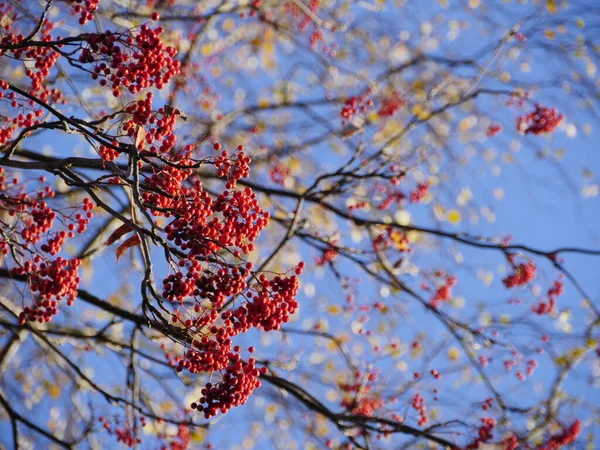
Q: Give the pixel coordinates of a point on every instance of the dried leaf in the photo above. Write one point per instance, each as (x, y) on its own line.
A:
(140, 138)
(129, 243)
(5, 21)
(118, 233)
(169, 110)
(354, 127)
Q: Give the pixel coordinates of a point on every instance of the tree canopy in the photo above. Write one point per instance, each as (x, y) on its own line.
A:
(299, 224)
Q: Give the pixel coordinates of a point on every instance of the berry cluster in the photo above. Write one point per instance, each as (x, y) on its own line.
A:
(394, 197)
(85, 9)
(493, 130)
(182, 440)
(54, 280)
(296, 12)
(510, 443)
(211, 234)
(41, 58)
(531, 366)
(329, 255)
(124, 434)
(523, 274)
(239, 381)
(315, 37)
(133, 61)
(359, 400)
(541, 120)
(568, 436)
(368, 406)
(391, 105)
(204, 227)
(45, 58)
(149, 127)
(549, 307)
(353, 106)
(419, 193)
(487, 404)
(9, 125)
(272, 305)
(40, 220)
(233, 168)
(278, 173)
(444, 292)
(418, 404)
(389, 238)
(484, 434)
(108, 153)
(50, 279)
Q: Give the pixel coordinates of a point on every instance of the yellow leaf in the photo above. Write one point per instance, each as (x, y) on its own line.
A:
(578, 352)
(206, 50)
(418, 85)
(421, 112)
(269, 49)
(272, 408)
(167, 406)
(18, 73)
(551, 6)
(454, 216)
(453, 354)
(562, 361)
(198, 435)
(228, 25)
(395, 353)
(334, 310)
(54, 391)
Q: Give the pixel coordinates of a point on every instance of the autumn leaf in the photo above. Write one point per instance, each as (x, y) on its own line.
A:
(118, 233)
(169, 110)
(129, 243)
(140, 138)
(5, 21)
(54, 391)
(350, 131)
(454, 216)
(356, 126)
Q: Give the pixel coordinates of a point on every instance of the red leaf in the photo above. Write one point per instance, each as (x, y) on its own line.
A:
(129, 243)
(118, 233)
